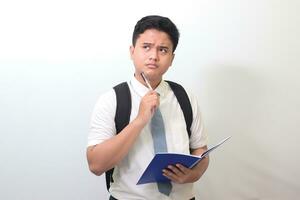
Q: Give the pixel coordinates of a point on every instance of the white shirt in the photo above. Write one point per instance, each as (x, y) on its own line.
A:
(128, 171)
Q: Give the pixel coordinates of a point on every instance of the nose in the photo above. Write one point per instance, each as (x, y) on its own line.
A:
(153, 55)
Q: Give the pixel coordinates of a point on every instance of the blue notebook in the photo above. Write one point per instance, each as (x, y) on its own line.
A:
(153, 172)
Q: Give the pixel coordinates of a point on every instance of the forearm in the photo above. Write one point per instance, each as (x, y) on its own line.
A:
(107, 154)
(201, 167)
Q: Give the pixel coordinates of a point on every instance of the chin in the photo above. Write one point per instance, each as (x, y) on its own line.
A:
(149, 72)
(150, 69)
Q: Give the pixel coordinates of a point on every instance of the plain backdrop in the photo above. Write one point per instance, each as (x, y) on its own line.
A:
(240, 57)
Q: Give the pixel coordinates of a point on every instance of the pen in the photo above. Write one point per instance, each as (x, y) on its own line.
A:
(146, 81)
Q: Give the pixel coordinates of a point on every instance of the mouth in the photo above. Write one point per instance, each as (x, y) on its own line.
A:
(152, 66)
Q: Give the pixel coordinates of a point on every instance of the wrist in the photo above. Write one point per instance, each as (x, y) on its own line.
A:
(138, 122)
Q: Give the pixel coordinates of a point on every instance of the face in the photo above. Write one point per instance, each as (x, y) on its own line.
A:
(152, 54)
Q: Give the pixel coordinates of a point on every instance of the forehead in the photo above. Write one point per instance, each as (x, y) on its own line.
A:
(155, 37)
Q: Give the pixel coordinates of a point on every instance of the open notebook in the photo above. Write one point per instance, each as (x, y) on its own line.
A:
(153, 172)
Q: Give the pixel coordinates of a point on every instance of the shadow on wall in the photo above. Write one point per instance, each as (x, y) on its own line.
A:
(233, 101)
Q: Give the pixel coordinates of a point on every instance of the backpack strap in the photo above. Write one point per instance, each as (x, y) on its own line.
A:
(123, 110)
(122, 117)
(185, 104)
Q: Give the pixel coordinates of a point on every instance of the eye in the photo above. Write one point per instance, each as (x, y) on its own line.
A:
(163, 50)
(146, 47)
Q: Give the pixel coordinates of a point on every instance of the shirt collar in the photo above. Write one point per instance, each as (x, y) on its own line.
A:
(141, 89)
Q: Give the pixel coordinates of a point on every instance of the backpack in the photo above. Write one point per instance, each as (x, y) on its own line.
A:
(123, 112)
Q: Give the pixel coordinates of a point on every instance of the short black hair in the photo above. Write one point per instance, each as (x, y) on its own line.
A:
(159, 23)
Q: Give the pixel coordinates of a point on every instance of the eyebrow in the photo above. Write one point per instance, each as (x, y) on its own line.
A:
(151, 44)
(164, 47)
(147, 43)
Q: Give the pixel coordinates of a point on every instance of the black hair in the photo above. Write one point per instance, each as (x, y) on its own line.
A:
(159, 23)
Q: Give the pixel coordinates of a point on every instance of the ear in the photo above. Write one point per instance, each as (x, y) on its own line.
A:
(131, 51)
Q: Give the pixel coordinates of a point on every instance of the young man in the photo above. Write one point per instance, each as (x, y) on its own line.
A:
(154, 41)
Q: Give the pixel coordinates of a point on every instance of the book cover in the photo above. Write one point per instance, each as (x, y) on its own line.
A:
(153, 172)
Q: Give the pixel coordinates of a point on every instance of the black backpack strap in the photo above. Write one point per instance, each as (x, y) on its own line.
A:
(123, 110)
(122, 117)
(185, 104)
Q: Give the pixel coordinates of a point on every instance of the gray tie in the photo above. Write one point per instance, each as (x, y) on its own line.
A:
(160, 145)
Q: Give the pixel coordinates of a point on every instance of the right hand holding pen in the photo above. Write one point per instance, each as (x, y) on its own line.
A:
(148, 105)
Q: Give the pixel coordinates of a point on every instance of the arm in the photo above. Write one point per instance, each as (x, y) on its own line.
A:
(181, 174)
(106, 155)
(203, 164)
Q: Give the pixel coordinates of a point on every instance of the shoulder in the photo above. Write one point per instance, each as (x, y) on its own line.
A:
(193, 100)
(191, 96)
(106, 100)
(107, 96)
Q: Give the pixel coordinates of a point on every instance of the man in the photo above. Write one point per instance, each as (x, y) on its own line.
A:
(154, 41)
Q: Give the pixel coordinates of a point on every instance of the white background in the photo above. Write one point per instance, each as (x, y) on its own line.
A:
(240, 57)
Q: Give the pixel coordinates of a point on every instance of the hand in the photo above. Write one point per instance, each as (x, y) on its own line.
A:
(180, 174)
(148, 105)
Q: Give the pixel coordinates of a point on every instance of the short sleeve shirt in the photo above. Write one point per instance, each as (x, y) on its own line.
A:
(130, 169)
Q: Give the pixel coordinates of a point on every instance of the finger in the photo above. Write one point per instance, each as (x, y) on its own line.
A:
(182, 168)
(170, 175)
(153, 92)
(175, 170)
(150, 92)
(155, 100)
(152, 96)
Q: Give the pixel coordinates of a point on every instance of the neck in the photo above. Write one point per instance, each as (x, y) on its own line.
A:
(153, 83)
